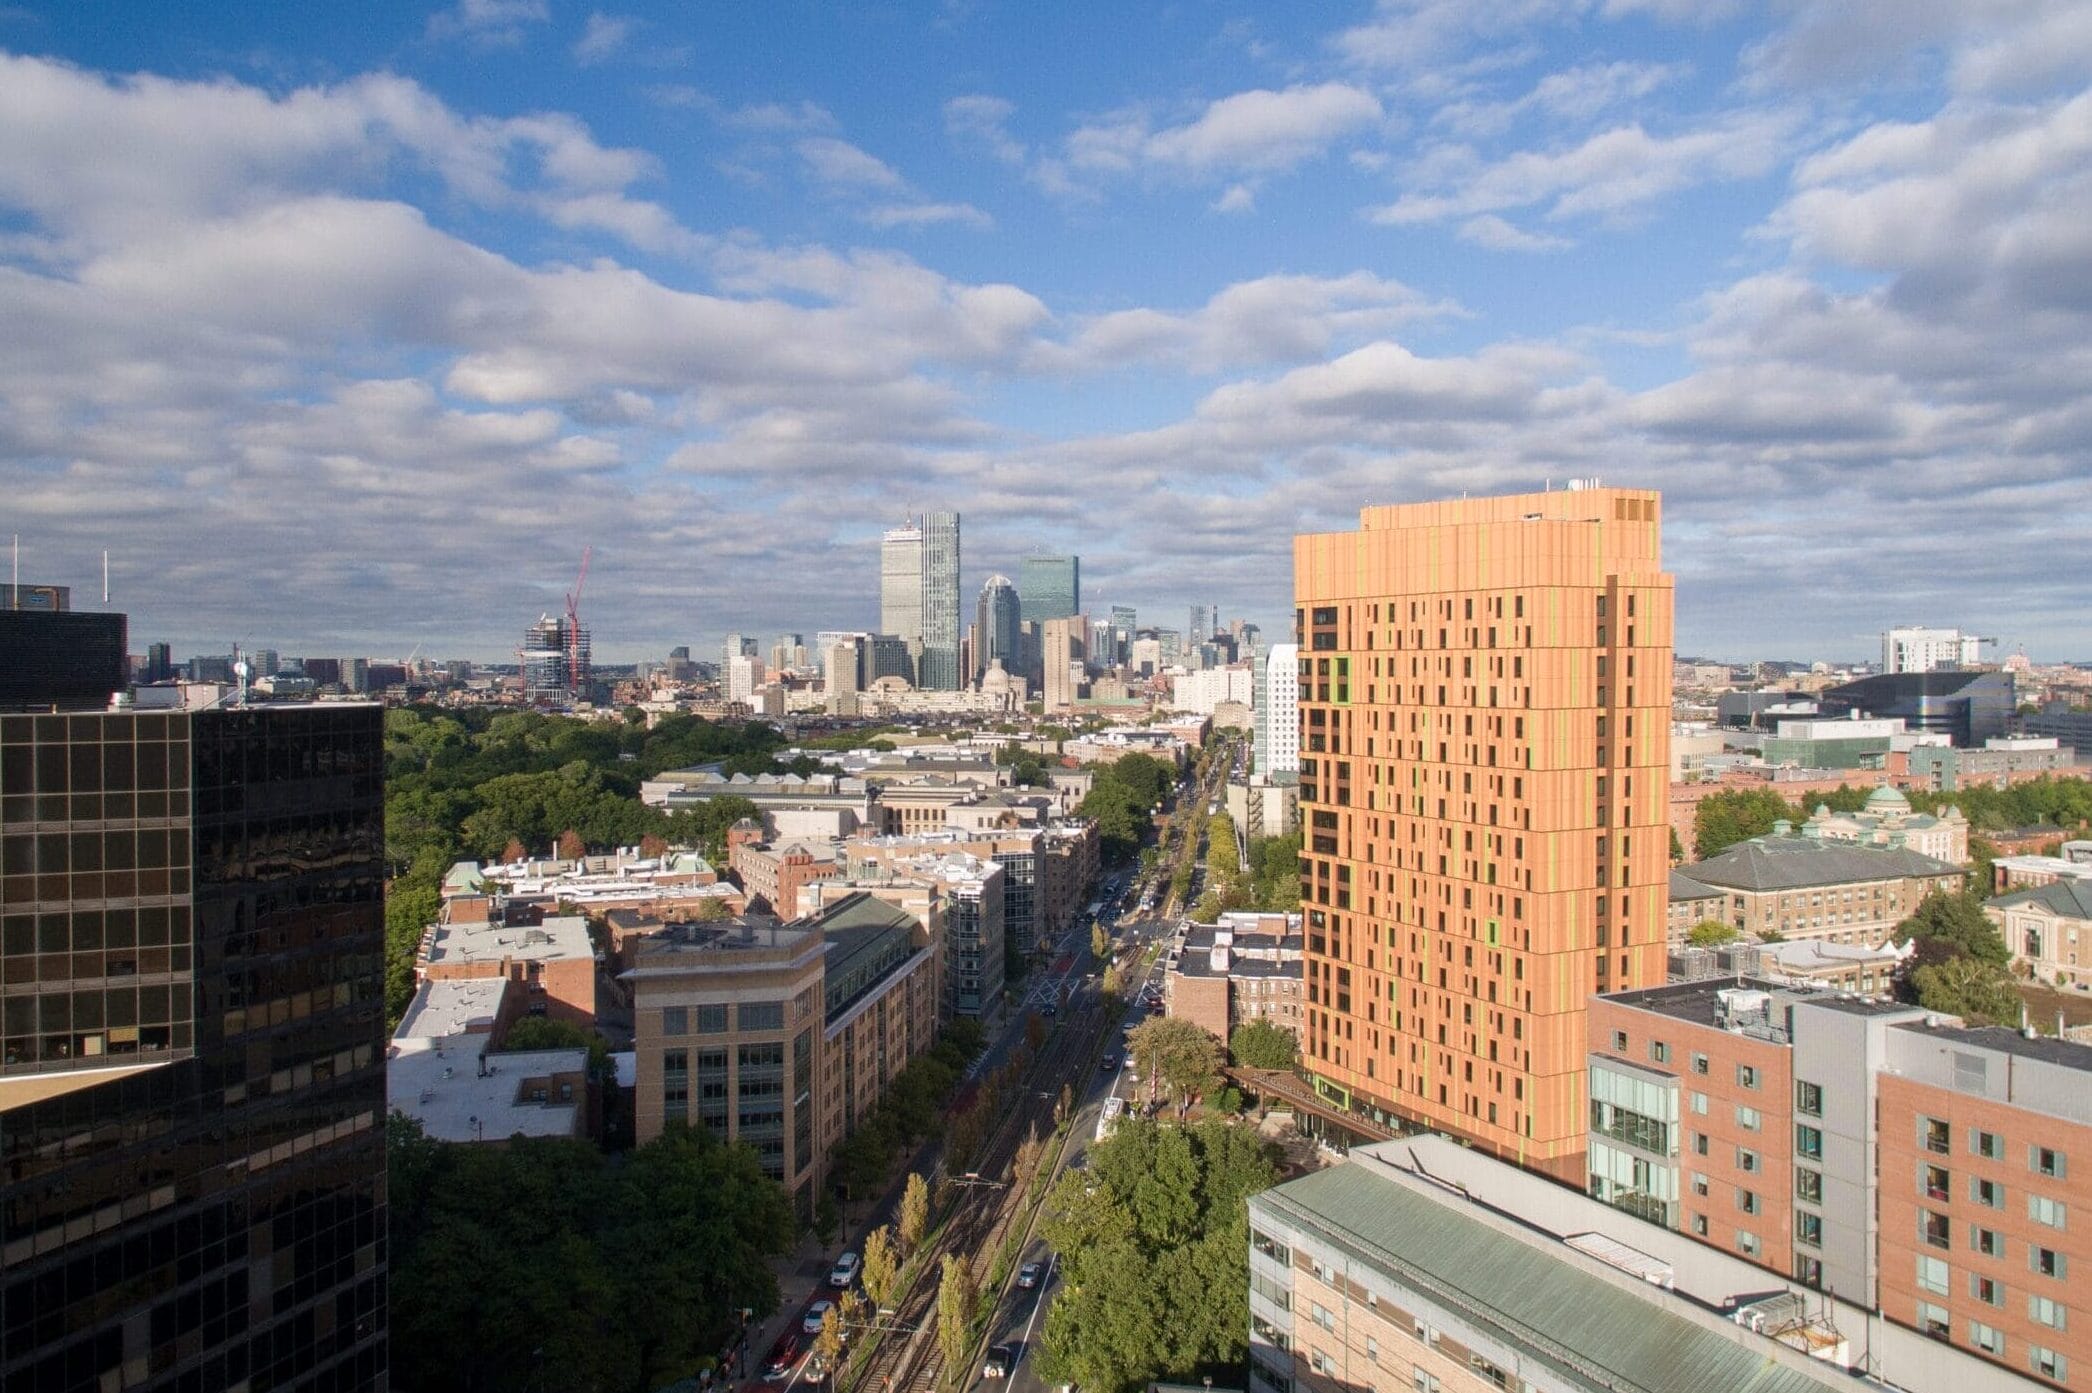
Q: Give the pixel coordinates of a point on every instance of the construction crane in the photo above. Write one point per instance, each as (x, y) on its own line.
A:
(574, 675)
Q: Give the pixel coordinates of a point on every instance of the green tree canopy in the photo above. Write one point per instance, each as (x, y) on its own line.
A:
(1723, 819)
(1258, 1044)
(1712, 933)
(1957, 920)
(1176, 1057)
(1979, 992)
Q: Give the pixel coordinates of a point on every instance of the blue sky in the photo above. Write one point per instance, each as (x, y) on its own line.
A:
(346, 327)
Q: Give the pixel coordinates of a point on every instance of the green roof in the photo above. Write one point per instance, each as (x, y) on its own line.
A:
(1563, 1315)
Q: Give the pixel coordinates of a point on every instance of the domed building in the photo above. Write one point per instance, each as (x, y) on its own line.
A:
(1888, 820)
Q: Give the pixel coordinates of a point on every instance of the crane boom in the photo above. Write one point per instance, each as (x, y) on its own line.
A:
(574, 677)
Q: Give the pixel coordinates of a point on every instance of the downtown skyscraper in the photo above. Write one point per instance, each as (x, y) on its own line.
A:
(1485, 691)
(901, 584)
(995, 627)
(1049, 587)
(919, 597)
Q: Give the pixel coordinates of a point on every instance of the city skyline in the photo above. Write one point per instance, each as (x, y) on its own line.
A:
(401, 310)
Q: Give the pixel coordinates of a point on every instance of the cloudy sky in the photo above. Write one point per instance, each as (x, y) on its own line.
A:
(346, 327)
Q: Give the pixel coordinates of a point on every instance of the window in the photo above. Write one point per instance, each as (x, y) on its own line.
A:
(1988, 1193)
(1421, 1381)
(2047, 1261)
(1699, 1063)
(1489, 1372)
(1933, 1321)
(1808, 1185)
(675, 1020)
(1808, 1098)
(1746, 1160)
(1937, 1184)
(1747, 1243)
(1619, 1042)
(762, 1015)
(1987, 1290)
(1935, 1136)
(1933, 1229)
(1747, 1075)
(1987, 1144)
(1748, 1118)
(1699, 1184)
(1372, 1349)
(2043, 1210)
(1989, 1242)
(1271, 1248)
(1699, 1143)
(1987, 1338)
(2043, 1311)
(1808, 1228)
(1932, 1275)
(711, 1020)
(1808, 1142)
(1659, 1051)
(2045, 1160)
(1322, 1315)
(1699, 1225)
(1747, 1201)
(2048, 1363)
(1699, 1104)
(1322, 1362)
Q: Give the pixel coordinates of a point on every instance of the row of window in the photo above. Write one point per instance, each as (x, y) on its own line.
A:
(712, 1020)
(1937, 1136)
(2042, 1361)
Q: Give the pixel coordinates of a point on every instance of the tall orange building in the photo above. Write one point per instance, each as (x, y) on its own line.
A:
(1485, 694)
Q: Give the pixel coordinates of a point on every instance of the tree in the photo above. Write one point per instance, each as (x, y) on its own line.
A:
(653, 845)
(828, 1344)
(915, 1212)
(515, 851)
(955, 1302)
(1979, 992)
(1957, 919)
(1258, 1044)
(1734, 815)
(1114, 984)
(545, 1033)
(1176, 1056)
(882, 1266)
(1100, 942)
(571, 847)
(1208, 909)
(1712, 933)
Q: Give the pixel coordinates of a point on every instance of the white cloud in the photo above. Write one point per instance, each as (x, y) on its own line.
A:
(488, 22)
(1612, 173)
(1411, 36)
(1988, 46)
(1574, 94)
(603, 38)
(1239, 198)
(1489, 230)
(839, 164)
(1265, 129)
(926, 214)
(984, 120)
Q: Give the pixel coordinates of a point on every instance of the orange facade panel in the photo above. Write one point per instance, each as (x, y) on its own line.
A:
(1485, 719)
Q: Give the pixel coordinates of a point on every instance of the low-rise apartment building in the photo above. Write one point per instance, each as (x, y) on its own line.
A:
(1808, 887)
(773, 873)
(1245, 967)
(550, 956)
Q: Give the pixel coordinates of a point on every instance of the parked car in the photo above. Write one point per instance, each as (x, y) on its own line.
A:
(783, 1355)
(845, 1270)
(997, 1364)
(1028, 1276)
(811, 1324)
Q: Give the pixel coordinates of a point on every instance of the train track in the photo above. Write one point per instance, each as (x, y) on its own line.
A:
(980, 1212)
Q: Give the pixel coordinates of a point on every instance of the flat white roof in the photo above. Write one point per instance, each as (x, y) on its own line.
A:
(438, 1083)
(559, 938)
(451, 1006)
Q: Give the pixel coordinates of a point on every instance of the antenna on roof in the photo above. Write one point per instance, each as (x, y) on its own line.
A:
(105, 575)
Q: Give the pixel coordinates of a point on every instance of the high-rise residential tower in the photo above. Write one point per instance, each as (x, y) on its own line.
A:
(995, 634)
(1061, 654)
(1485, 718)
(1049, 587)
(938, 668)
(1278, 710)
(901, 583)
(192, 1089)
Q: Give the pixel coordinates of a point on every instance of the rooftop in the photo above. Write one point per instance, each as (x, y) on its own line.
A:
(561, 937)
(1797, 863)
(1703, 1002)
(1684, 888)
(2046, 1048)
(438, 1083)
(452, 1006)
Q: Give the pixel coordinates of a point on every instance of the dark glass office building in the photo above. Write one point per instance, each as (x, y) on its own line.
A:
(192, 1090)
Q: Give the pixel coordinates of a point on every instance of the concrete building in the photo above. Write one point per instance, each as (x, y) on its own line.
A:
(2002, 760)
(1806, 887)
(1827, 744)
(1242, 968)
(1061, 656)
(2068, 725)
(1416, 1264)
(1278, 711)
(1262, 806)
(443, 1069)
(1888, 821)
(773, 873)
(550, 957)
(901, 583)
(963, 895)
(1485, 699)
(2073, 861)
(1925, 650)
(1049, 587)
(2049, 930)
(780, 1036)
(1201, 692)
(742, 676)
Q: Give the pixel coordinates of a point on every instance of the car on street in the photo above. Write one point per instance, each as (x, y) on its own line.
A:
(1108, 1063)
(811, 1323)
(783, 1355)
(997, 1364)
(1028, 1276)
(845, 1270)
(1049, 1010)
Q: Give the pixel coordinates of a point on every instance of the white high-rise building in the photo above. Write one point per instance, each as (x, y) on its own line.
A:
(1278, 710)
(1200, 692)
(1923, 650)
(743, 675)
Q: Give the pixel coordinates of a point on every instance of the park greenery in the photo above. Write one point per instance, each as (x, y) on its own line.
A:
(1271, 884)
(1959, 963)
(1153, 1239)
(1712, 933)
(911, 1111)
(1258, 1044)
(481, 785)
(1178, 1061)
(544, 1264)
(1122, 801)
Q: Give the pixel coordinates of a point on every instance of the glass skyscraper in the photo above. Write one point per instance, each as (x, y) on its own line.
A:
(938, 669)
(995, 633)
(1049, 587)
(192, 1089)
